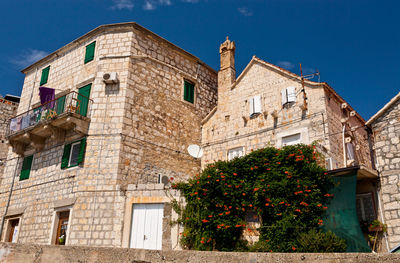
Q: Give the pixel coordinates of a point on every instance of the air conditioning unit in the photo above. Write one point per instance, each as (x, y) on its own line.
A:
(110, 78)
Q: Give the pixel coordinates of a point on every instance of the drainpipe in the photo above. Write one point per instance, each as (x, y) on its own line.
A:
(344, 147)
(9, 198)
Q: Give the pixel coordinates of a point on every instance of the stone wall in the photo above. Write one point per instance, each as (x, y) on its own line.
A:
(231, 125)
(386, 129)
(8, 109)
(139, 129)
(336, 117)
(26, 253)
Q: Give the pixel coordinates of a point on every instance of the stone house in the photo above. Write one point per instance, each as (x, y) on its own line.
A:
(385, 125)
(94, 149)
(8, 109)
(267, 105)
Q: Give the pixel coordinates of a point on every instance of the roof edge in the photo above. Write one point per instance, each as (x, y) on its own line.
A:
(383, 109)
(103, 28)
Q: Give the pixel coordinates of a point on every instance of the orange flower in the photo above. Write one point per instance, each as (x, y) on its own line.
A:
(293, 248)
(205, 221)
(234, 174)
(228, 212)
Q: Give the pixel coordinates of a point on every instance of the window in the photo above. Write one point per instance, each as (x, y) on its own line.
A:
(288, 95)
(12, 230)
(26, 168)
(291, 139)
(350, 151)
(188, 91)
(45, 76)
(89, 54)
(235, 153)
(255, 105)
(365, 207)
(73, 154)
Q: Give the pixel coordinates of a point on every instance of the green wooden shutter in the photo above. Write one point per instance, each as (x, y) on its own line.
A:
(65, 157)
(26, 168)
(188, 92)
(83, 99)
(89, 54)
(45, 75)
(60, 105)
(82, 151)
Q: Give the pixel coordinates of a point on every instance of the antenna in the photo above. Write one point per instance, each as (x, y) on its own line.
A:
(195, 151)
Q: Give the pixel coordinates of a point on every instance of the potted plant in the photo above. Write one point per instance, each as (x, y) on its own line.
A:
(376, 226)
(61, 240)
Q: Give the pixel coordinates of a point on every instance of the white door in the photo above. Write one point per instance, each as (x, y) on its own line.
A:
(146, 228)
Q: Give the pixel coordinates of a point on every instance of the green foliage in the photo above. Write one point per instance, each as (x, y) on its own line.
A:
(285, 187)
(318, 241)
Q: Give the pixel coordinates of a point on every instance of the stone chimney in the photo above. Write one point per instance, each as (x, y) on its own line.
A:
(227, 72)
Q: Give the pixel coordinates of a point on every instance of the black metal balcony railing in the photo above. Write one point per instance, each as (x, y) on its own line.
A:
(72, 102)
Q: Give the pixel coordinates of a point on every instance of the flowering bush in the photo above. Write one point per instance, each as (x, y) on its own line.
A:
(285, 187)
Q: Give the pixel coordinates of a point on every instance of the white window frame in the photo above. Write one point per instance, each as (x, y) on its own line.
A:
(303, 135)
(55, 220)
(232, 150)
(297, 141)
(8, 226)
(71, 151)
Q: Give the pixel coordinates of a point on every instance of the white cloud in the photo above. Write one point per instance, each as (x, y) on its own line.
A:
(285, 64)
(190, 1)
(28, 57)
(149, 5)
(165, 2)
(122, 4)
(245, 11)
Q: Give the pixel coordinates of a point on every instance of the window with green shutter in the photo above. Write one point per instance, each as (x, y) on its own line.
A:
(73, 154)
(26, 168)
(89, 54)
(45, 76)
(188, 91)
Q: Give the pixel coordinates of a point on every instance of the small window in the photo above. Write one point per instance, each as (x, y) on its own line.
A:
(235, 153)
(26, 168)
(288, 95)
(365, 207)
(89, 54)
(255, 105)
(188, 91)
(73, 154)
(45, 76)
(291, 140)
(350, 151)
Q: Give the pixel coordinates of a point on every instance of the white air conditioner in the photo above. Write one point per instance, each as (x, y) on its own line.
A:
(110, 78)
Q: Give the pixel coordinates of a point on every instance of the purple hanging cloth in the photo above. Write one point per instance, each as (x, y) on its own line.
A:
(46, 95)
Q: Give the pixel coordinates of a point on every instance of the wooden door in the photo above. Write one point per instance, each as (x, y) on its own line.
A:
(14, 227)
(146, 229)
(62, 228)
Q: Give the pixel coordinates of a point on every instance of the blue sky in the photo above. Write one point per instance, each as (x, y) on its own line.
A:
(355, 44)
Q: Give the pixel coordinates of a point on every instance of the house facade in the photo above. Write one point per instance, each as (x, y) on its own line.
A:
(102, 127)
(385, 125)
(8, 109)
(269, 106)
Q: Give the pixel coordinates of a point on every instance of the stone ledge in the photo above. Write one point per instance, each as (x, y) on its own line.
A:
(44, 253)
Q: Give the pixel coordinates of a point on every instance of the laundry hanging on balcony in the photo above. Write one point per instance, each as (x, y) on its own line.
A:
(47, 96)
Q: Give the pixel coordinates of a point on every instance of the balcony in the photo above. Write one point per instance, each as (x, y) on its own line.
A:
(50, 120)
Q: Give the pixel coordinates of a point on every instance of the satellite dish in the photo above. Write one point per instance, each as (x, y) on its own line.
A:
(195, 151)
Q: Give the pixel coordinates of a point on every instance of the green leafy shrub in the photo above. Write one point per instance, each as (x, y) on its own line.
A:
(318, 241)
(285, 187)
